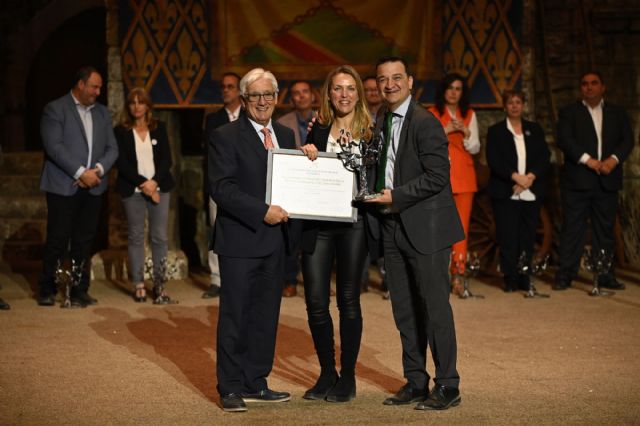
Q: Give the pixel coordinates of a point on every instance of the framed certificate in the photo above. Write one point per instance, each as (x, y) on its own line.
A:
(321, 190)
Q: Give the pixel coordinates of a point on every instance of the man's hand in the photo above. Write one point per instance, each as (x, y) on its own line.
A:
(517, 189)
(89, 179)
(275, 215)
(608, 165)
(594, 165)
(519, 179)
(310, 151)
(385, 198)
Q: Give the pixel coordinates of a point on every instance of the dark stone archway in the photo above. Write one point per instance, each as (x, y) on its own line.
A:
(77, 42)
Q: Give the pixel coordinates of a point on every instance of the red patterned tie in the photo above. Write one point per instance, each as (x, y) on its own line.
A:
(268, 143)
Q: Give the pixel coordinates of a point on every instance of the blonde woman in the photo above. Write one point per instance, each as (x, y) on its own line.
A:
(343, 116)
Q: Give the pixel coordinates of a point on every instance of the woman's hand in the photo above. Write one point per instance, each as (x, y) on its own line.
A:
(150, 189)
(310, 151)
(450, 127)
(525, 181)
(455, 125)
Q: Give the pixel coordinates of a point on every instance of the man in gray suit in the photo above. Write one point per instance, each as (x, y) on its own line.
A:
(80, 148)
(302, 99)
(419, 224)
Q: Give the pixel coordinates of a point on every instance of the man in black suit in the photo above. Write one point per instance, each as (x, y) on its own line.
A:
(419, 224)
(596, 138)
(230, 111)
(249, 238)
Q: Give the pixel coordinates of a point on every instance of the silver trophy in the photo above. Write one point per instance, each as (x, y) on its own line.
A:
(69, 279)
(465, 268)
(358, 160)
(598, 264)
(535, 268)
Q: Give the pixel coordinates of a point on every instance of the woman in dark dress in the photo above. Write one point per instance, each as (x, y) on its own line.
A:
(144, 182)
(343, 115)
(518, 158)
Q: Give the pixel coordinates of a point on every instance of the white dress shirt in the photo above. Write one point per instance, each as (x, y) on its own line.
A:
(144, 156)
(521, 152)
(392, 149)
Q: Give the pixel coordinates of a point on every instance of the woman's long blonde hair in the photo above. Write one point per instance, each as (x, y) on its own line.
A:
(361, 124)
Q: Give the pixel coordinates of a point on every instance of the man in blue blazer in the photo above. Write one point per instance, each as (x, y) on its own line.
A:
(249, 237)
(80, 148)
(419, 225)
(595, 138)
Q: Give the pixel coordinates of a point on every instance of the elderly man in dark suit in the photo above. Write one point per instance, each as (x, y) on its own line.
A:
(80, 148)
(249, 237)
(596, 138)
(419, 224)
(231, 111)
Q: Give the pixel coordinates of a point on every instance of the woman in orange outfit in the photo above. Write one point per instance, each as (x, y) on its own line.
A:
(461, 126)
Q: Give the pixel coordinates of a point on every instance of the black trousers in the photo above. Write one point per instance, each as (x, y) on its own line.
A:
(597, 205)
(346, 244)
(250, 295)
(419, 288)
(516, 224)
(72, 222)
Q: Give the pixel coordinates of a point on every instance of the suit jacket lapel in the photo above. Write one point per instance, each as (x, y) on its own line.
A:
(607, 123)
(279, 136)
(252, 140)
(404, 135)
(76, 114)
(586, 116)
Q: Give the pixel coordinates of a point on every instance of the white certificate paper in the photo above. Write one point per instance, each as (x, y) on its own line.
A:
(322, 189)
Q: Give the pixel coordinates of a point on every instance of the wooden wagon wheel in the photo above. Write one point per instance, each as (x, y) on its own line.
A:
(482, 234)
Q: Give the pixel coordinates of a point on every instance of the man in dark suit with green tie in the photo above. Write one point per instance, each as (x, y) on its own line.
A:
(419, 223)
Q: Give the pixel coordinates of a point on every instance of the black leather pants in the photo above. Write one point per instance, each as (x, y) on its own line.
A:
(346, 243)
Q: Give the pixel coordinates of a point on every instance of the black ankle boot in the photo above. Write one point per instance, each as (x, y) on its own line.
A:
(344, 390)
(325, 383)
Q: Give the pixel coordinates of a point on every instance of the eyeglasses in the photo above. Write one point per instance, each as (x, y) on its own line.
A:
(255, 97)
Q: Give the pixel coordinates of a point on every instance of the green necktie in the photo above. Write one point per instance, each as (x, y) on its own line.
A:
(382, 164)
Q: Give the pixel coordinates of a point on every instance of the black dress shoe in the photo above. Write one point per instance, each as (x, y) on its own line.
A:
(610, 282)
(344, 390)
(82, 298)
(441, 398)
(4, 306)
(524, 282)
(406, 395)
(47, 300)
(265, 395)
(560, 284)
(233, 403)
(322, 387)
(212, 292)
